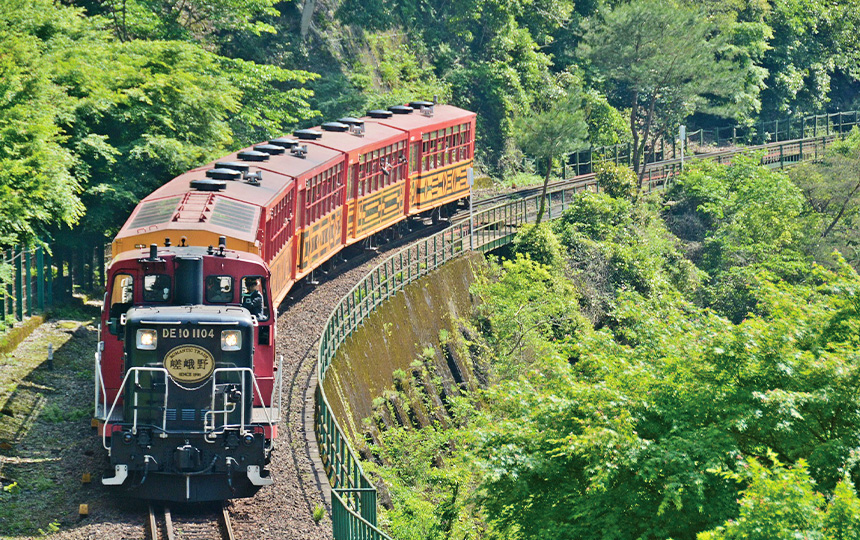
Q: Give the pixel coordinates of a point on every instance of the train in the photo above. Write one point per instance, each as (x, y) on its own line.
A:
(187, 383)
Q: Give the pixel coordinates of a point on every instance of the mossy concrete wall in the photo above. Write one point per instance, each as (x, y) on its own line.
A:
(395, 335)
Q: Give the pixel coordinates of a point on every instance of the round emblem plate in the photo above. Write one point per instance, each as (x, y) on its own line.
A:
(189, 364)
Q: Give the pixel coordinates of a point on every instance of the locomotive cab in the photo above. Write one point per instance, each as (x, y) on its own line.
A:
(185, 388)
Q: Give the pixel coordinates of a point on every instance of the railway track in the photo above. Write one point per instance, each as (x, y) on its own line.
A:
(189, 524)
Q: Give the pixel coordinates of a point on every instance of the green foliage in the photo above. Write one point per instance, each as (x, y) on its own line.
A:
(272, 99)
(781, 503)
(617, 432)
(739, 221)
(526, 304)
(664, 60)
(319, 513)
(432, 500)
(37, 187)
(182, 19)
(616, 180)
(831, 189)
(615, 245)
(813, 42)
(540, 244)
(558, 128)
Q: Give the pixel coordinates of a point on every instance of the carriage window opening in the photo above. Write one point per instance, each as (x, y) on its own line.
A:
(156, 288)
(254, 297)
(219, 289)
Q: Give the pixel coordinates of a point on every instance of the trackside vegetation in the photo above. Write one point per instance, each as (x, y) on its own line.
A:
(684, 366)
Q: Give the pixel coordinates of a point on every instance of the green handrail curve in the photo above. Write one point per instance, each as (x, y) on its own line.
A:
(353, 495)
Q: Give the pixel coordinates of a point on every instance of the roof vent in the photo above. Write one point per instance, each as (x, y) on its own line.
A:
(284, 142)
(208, 184)
(427, 110)
(379, 113)
(253, 155)
(357, 129)
(351, 121)
(418, 104)
(299, 151)
(308, 134)
(401, 109)
(234, 165)
(224, 174)
(271, 149)
(253, 178)
(335, 126)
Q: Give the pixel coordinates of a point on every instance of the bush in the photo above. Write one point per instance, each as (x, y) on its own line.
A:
(540, 244)
(616, 181)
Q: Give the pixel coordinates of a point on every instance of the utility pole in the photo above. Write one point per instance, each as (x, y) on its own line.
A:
(683, 136)
(470, 174)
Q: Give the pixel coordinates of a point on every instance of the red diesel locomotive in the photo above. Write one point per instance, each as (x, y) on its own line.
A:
(187, 387)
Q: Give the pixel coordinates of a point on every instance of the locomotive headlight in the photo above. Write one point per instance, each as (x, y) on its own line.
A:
(147, 339)
(231, 340)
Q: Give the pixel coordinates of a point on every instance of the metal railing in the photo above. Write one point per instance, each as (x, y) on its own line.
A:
(31, 287)
(667, 147)
(208, 427)
(353, 495)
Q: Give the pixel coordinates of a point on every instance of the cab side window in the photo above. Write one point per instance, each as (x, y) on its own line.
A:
(219, 289)
(156, 288)
(122, 294)
(254, 297)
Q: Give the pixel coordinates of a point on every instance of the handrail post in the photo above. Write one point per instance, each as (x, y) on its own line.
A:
(19, 287)
(40, 278)
(28, 281)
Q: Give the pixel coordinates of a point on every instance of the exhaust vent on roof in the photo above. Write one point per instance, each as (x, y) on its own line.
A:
(401, 109)
(418, 104)
(253, 155)
(271, 149)
(235, 165)
(208, 184)
(379, 113)
(299, 151)
(335, 126)
(284, 142)
(308, 134)
(224, 174)
(351, 121)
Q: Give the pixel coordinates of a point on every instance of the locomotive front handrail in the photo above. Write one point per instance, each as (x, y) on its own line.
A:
(136, 371)
(242, 424)
(206, 429)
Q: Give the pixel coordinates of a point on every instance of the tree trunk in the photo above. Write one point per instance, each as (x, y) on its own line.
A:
(634, 111)
(543, 191)
(841, 211)
(647, 129)
(307, 16)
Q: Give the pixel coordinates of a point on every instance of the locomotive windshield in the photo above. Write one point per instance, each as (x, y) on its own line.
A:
(156, 288)
(219, 289)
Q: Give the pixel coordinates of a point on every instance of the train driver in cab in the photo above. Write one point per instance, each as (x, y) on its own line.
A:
(253, 299)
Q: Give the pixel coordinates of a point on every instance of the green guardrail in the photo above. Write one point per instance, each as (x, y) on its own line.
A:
(763, 133)
(30, 289)
(353, 495)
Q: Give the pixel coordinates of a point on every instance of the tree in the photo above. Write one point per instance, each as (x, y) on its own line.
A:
(832, 192)
(182, 19)
(664, 61)
(557, 128)
(37, 187)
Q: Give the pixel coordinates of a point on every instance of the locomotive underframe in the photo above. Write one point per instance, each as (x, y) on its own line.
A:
(189, 467)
